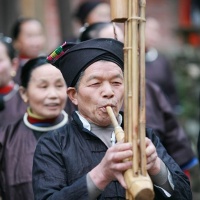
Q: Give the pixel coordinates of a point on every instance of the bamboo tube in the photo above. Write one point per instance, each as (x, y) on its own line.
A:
(133, 31)
(119, 133)
(139, 188)
(119, 14)
(142, 117)
(138, 182)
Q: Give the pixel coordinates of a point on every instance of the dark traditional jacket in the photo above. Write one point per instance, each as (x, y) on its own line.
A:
(160, 117)
(64, 157)
(17, 146)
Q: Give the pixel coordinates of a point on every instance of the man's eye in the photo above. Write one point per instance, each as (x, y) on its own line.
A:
(116, 83)
(95, 84)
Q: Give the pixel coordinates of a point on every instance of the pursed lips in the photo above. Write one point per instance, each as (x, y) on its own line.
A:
(103, 108)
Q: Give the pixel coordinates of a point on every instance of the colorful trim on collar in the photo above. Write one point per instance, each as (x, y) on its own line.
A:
(37, 127)
(39, 121)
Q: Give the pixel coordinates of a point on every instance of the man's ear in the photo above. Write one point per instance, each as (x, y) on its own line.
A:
(72, 94)
(23, 94)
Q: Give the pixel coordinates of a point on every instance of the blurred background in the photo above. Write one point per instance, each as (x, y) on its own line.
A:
(179, 41)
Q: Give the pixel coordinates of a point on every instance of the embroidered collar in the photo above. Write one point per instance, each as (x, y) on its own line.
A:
(34, 118)
(48, 128)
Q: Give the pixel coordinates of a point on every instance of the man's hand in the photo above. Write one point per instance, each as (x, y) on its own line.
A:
(153, 161)
(112, 166)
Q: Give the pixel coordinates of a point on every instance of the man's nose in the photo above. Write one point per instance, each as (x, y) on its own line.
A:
(108, 90)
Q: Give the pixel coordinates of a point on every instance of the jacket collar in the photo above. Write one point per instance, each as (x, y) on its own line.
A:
(86, 124)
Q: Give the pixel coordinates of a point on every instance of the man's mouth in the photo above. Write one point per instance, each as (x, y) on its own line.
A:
(103, 108)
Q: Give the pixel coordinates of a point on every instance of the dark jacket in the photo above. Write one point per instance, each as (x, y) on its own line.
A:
(64, 157)
(160, 117)
(17, 146)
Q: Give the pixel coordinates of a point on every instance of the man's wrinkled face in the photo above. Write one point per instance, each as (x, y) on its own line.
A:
(101, 85)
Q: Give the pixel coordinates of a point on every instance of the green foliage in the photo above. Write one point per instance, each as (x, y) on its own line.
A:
(186, 66)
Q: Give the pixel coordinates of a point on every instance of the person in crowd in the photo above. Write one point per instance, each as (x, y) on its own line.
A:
(44, 90)
(158, 67)
(28, 39)
(90, 12)
(87, 163)
(11, 105)
(159, 113)
(102, 30)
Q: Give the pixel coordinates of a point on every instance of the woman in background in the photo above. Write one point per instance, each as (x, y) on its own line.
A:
(11, 105)
(90, 12)
(29, 41)
(44, 90)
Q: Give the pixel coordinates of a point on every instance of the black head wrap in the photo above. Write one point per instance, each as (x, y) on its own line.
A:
(83, 54)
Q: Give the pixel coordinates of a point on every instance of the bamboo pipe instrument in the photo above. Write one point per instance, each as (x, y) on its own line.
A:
(139, 188)
(119, 133)
(132, 13)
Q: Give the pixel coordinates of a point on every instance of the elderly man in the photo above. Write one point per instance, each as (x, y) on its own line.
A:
(81, 160)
